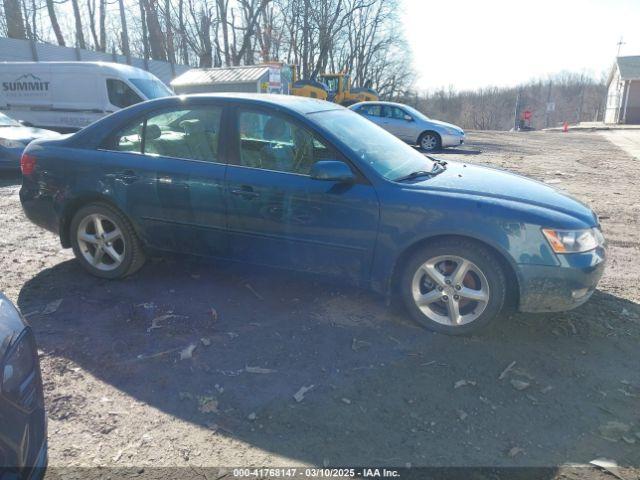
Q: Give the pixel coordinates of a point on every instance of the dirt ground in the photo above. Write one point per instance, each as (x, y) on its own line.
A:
(382, 391)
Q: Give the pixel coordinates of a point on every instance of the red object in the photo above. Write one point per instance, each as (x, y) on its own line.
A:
(527, 114)
(565, 127)
(27, 164)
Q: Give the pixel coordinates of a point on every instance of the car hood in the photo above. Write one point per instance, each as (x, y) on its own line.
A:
(495, 183)
(11, 323)
(442, 124)
(26, 134)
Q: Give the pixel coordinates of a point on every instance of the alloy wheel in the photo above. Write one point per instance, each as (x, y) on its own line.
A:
(101, 242)
(429, 142)
(450, 290)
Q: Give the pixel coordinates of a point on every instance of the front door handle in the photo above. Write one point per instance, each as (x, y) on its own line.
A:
(246, 191)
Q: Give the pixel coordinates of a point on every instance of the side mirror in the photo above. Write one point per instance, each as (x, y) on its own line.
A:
(332, 170)
(408, 118)
(24, 123)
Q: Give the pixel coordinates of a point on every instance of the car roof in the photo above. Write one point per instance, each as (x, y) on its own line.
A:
(391, 104)
(303, 105)
(108, 67)
(300, 106)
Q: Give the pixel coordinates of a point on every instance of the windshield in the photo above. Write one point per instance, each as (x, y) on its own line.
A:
(389, 156)
(7, 122)
(151, 88)
(332, 83)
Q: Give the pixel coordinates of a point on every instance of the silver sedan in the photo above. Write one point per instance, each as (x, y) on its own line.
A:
(410, 125)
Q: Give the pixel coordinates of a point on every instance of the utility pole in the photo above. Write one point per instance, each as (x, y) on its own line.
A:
(548, 107)
(515, 113)
(620, 43)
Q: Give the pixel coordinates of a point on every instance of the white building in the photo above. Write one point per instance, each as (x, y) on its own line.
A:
(270, 78)
(623, 91)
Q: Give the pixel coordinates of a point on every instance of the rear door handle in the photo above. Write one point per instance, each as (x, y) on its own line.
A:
(245, 191)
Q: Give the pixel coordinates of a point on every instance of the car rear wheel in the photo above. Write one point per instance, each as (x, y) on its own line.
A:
(455, 286)
(430, 141)
(105, 243)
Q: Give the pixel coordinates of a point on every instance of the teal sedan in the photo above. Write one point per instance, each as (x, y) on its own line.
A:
(308, 185)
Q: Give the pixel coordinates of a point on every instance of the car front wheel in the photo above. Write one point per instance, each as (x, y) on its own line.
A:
(454, 286)
(430, 141)
(105, 243)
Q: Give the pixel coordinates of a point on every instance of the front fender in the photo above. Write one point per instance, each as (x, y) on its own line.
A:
(406, 223)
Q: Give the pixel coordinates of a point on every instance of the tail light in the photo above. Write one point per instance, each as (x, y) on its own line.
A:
(27, 164)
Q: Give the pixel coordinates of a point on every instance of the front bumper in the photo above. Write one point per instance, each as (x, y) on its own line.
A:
(563, 287)
(449, 140)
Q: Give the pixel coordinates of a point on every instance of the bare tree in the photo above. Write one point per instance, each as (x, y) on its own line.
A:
(356, 36)
(143, 31)
(124, 32)
(171, 52)
(576, 98)
(15, 21)
(98, 33)
(51, 9)
(78, 22)
(156, 36)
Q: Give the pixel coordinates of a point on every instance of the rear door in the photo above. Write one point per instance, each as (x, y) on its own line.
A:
(172, 177)
(279, 215)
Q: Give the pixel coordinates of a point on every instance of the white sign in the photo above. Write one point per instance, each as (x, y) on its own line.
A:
(274, 78)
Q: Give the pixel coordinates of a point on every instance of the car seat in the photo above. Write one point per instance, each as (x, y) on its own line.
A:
(202, 144)
(152, 133)
(303, 151)
(276, 155)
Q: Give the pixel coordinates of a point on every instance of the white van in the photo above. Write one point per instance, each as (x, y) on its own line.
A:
(66, 96)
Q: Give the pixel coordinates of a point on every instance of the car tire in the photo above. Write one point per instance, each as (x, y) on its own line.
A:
(474, 300)
(429, 141)
(111, 250)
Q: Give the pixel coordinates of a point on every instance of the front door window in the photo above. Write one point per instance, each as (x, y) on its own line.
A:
(271, 142)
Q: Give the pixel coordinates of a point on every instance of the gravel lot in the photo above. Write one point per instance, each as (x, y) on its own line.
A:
(383, 391)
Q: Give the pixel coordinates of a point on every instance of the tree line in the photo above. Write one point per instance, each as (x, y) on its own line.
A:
(565, 97)
(358, 36)
(362, 37)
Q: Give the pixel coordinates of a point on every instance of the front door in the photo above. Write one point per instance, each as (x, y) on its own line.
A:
(279, 215)
(395, 121)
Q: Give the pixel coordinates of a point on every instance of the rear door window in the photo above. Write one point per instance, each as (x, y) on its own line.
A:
(191, 134)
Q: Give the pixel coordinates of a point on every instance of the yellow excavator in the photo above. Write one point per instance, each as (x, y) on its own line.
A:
(333, 87)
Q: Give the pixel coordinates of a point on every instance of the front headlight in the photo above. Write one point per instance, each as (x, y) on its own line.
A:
(454, 131)
(7, 143)
(573, 241)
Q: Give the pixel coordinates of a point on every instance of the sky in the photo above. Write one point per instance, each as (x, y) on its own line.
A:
(476, 43)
